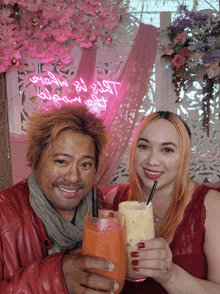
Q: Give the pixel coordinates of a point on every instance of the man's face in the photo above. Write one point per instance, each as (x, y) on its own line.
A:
(66, 171)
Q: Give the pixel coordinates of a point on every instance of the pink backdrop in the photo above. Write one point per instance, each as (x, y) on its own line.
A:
(121, 115)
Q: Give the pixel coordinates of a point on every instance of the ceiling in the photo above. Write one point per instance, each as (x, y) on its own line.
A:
(147, 11)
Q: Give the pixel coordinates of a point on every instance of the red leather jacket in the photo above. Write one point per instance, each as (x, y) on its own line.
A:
(25, 266)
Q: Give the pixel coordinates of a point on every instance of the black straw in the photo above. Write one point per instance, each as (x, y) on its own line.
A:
(95, 203)
(152, 192)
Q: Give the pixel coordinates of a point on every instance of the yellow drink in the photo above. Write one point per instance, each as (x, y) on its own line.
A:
(139, 226)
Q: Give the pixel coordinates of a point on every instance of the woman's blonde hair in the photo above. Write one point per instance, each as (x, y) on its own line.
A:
(180, 191)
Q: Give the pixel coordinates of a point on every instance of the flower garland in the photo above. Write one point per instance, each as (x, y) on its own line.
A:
(47, 29)
(194, 51)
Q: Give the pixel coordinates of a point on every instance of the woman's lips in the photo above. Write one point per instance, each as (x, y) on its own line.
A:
(153, 175)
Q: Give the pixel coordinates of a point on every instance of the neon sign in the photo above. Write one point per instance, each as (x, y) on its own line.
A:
(94, 95)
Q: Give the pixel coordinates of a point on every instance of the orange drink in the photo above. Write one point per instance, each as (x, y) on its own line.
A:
(139, 226)
(104, 237)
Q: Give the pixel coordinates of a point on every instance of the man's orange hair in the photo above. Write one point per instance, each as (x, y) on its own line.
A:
(45, 126)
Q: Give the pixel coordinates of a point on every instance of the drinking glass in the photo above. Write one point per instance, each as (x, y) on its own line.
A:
(104, 237)
(139, 226)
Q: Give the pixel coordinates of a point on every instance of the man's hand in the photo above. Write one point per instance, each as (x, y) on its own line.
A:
(79, 281)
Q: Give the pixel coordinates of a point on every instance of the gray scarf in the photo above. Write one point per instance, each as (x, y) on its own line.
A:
(62, 233)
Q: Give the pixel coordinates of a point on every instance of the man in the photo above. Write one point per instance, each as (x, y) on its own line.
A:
(42, 217)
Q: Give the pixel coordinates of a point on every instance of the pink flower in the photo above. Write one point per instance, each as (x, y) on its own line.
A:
(67, 58)
(213, 69)
(59, 25)
(198, 55)
(178, 60)
(85, 44)
(184, 51)
(191, 65)
(180, 37)
(17, 54)
(169, 50)
(5, 14)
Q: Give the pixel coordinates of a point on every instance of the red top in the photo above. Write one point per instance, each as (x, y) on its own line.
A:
(217, 189)
(187, 244)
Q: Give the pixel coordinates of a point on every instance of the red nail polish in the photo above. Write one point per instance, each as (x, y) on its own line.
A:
(134, 254)
(134, 262)
(141, 245)
(136, 269)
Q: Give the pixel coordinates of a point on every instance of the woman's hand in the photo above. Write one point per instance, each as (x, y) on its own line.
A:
(79, 281)
(153, 259)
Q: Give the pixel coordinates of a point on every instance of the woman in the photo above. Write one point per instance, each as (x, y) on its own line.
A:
(184, 257)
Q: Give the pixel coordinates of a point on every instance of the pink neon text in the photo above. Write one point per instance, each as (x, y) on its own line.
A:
(97, 90)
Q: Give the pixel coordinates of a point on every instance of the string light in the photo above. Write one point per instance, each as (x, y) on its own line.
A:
(108, 39)
(14, 61)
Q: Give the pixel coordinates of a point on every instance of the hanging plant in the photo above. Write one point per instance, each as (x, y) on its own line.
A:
(47, 29)
(194, 52)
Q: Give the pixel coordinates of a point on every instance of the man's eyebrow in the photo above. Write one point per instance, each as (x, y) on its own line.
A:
(164, 144)
(70, 156)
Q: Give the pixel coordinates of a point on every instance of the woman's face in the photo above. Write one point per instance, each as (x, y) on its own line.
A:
(157, 155)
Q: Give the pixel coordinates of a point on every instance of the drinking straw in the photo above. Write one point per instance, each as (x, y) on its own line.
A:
(152, 192)
(95, 203)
